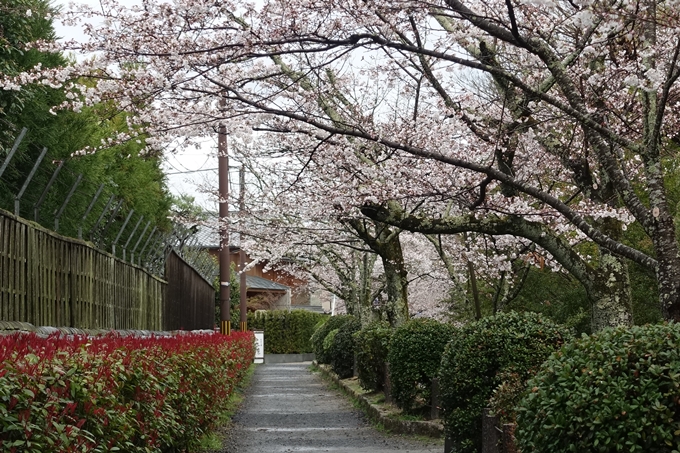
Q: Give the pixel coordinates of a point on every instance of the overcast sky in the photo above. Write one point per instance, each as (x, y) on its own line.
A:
(189, 172)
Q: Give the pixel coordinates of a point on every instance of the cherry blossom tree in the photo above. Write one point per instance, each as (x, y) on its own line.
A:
(572, 138)
(289, 217)
(296, 216)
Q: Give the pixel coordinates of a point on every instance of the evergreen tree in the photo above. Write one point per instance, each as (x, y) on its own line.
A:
(125, 170)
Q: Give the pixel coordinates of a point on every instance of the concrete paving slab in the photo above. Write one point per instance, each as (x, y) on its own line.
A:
(290, 409)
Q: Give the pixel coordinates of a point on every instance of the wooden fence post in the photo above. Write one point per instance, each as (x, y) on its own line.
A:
(509, 444)
(490, 433)
(435, 399)
(448, 445)
(387, 384)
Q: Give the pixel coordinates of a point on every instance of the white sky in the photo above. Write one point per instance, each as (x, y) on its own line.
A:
(186, 172)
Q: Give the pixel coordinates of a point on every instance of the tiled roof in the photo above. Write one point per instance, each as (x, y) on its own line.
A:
(253, 282)
(208, 237)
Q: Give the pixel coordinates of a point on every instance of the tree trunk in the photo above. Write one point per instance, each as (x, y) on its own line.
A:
(475, 291)
(396, 281)
(386, 244)
(668, 269)
(608, 285)
(668, 277)
(610, 294)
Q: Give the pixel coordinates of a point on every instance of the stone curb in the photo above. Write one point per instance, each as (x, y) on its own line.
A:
(377, 415)
(17, 327)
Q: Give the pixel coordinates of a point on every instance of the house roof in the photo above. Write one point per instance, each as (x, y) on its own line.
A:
(208, 237)
(260, 283)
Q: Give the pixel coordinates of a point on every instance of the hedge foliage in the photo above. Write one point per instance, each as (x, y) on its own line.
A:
(328, 342)
(414, 357)
(286, 332)
(617, 390)
(334, 322)
(478, 358)
(342, 349)
(111, 393)
(372, 345)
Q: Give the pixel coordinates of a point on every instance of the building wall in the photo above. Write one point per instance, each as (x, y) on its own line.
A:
(299, 292)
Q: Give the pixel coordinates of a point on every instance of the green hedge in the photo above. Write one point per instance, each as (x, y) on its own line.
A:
(285, 332)
(372, 345)
(333, 323)
(328, 341)
(415, 353)
(342, 349)
(478, 358)
(617, 390)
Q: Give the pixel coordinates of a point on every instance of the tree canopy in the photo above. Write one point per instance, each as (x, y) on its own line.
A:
(551, 123)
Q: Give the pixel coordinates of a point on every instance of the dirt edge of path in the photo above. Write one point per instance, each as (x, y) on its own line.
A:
(224, 430)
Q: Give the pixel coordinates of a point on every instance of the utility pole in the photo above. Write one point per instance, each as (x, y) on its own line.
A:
(225, 265)
(241, 254)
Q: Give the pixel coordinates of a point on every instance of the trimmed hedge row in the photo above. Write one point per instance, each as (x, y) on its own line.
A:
(372, 345)
(617, 390)
(342, 348)
(286, 332)
(479, 357)
(415, 355)
(112, 393)
(413, 350)
(323, 354)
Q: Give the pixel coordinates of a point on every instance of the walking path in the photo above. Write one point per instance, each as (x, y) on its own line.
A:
(289, 409)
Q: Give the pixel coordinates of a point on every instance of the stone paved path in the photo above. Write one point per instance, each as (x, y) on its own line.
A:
(289, 409)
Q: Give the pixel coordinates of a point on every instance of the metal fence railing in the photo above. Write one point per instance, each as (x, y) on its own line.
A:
(36, 187)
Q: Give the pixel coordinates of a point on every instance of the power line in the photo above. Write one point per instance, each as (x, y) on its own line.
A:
(179, 172)
(190, 171)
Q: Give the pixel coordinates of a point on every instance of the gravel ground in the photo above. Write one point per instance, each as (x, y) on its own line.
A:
(289, 409)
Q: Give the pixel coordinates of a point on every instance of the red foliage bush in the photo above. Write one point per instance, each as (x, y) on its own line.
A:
(80, 394)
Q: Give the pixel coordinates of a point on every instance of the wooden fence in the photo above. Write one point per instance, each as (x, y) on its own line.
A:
(189, 298)
(50, 280)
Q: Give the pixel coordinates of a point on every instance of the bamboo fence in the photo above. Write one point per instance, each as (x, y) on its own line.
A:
(50, 280)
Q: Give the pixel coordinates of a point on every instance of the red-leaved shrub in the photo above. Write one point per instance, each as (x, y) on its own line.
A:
(80, 394)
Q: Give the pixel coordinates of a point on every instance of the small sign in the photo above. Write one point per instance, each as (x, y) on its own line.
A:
(259, 346)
